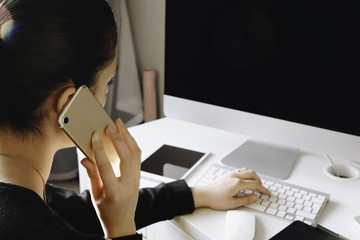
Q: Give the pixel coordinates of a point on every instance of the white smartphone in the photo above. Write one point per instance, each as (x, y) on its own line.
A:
(81, 118)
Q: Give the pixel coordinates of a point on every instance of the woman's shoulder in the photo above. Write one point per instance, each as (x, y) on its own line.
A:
(11, 195)
(23, 215)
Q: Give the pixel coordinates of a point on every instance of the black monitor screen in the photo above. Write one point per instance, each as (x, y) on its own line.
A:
(296, 60)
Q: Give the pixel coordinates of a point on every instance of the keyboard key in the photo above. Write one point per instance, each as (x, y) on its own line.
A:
(303, 192)
(282, 208)
(291, 199)
(264, 197)
(272, 189)
(316, 208)
(290, 193)
(281, 213)
(291, 210)
(306, 214)
(240, 194)
(317, 200)
(257, 193)
(307, 209)
(321, 197)
(306, 198)
(298, 206)
(271, 211)
(274, 205)
(273, 199)
(281, 190)
(258, 207)
(275, 194)
(282, 196)
(308, 222)
(298, 195)
(247, 191)
(270, 183)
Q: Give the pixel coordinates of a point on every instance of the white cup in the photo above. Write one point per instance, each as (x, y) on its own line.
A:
(346, 172)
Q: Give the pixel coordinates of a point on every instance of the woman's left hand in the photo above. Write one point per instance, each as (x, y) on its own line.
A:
(221, 193)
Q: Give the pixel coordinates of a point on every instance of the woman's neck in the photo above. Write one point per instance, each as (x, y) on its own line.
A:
(26, 163)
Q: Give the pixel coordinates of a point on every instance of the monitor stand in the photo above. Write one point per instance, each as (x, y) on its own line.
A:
(265, 158)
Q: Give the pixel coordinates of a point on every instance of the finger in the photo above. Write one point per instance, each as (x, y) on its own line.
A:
(251, 185)
(95, 180)
(117, 140)
(248, 174)
(134, 147)
(121, 148)
(128, 166)
(263, 190)
(125, 134)
(242, 169)
(245, 200)
(106, 172)
(121, 126)
(130, 160)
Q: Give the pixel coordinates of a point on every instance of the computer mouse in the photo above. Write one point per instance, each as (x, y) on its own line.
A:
(239, 225)
(356, 226)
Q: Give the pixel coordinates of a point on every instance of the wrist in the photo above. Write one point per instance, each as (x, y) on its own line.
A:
(118, 234)
(120, 230)
(199, 197)
(137, 236)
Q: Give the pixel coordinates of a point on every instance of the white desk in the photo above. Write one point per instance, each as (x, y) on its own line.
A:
(209, 224)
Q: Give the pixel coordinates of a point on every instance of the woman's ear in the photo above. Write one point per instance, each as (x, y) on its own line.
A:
(63, 98)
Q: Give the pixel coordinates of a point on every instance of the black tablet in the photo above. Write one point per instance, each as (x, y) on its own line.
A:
(299, 230)
(171, 162)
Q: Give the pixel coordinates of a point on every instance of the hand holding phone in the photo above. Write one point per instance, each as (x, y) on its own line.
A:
(112, 194)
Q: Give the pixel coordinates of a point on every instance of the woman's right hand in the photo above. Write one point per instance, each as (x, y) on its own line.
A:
(115, 197)
(221, 194)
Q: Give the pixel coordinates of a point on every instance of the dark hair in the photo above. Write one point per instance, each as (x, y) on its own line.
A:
(44, 44)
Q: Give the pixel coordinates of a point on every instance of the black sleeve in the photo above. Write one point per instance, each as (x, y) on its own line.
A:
(155, 204)
(132, 237)
(78, 211)
(75, 209)
(163, 202)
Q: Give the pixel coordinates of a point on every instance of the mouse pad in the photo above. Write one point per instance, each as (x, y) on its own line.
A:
(172, 162)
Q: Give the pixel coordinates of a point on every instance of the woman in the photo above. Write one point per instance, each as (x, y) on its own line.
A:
(48, 49)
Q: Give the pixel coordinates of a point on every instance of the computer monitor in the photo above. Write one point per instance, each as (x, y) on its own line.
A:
(283, 72)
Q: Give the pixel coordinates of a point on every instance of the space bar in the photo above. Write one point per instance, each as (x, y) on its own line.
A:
(256, 206)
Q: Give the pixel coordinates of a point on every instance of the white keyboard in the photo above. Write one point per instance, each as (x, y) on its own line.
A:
(287, 201)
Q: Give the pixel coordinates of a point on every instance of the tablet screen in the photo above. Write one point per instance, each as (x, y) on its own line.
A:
(299, 230)
(172, 162)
